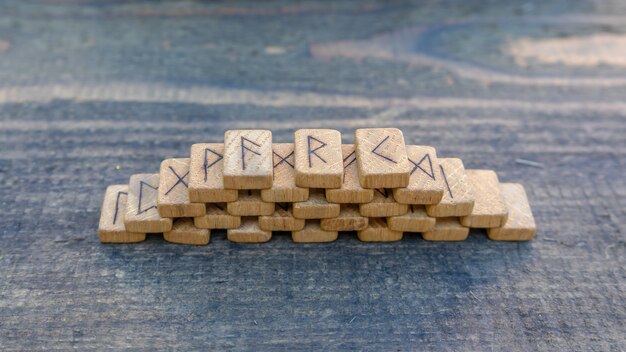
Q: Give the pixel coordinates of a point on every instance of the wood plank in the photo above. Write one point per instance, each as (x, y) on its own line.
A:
(447, 229)
(206, 175)
(281, 220)
(381, 158)
(316, 207)
(416, 220)
(350, 190)
(216, 217)
(458, 197)
(349, 219)
(318, 158)
(141, 206)
(185, 232)
(312, 233)
(248, 159)
(520, 225)
(111, 227)
(284, 187)
(383, 205)
(249, 203)
(378, 231)
(425, 181)
(173, 195)
(249, 232)
(489, 209)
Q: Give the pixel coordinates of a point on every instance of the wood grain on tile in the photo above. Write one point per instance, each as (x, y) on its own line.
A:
(318, 158)
(520, 225)
(141, 206)
(111, 227)
(381, 158)
(458, 197)
(425, 181)
(206, 175)
(350, 190)
(284, 187)
(248, 159)
(489, 209)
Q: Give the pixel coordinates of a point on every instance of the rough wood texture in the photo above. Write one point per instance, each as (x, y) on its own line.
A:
(141, 205)
(206, 175)
(312, 233)
(520, 224)
(248, 159)
(349, 219)
(185, 232)
(111, 227)
(217, 217)
(447, 229)
(173, 196)
(489, 209)
(381, 158)
(458, 196)
(425, 182)
(249, 203)
(248, 232)
(316, 207)
(281, 220)
(318, 158)
(383, 205)
(284, 187)
(93, 92)
(350, 190)
(416, 220)
(378, 231)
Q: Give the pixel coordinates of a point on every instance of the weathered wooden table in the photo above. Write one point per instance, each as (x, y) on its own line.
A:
(94, 91)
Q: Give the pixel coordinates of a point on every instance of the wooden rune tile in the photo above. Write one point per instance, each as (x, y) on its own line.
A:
(425, 181)
(173, 195)
(447, 229)
(316, 207)
(378, 231)
(284, 187)
(111, 228)
(313, 233)
(249, 232)
(249, 203)
(318, 158)
(248, 159)
(350, 190)
(458, 197)
(349, 219)
(520, 225)
(416, 220)
(489, 208)
(141, 206)
(206, 175)
(281, 220)
(217, 217)
(184, 232)
(383, 205)
(381, 158)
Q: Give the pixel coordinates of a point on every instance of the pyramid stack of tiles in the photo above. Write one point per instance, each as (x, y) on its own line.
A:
(314, 187)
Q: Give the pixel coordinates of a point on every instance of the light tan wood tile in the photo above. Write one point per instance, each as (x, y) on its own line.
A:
(217, 217)
(111, 228)
(381, 158)
(284, 187)
(141, 205)
(416, 220)
(316, 207)
(447, 229)
(350, 190)
(313, 233)
(425, 181)
(248, 159)
(458, 197)
(520, 225)
(249, 203)
(184, 232)
(489, 208)
(383, 205)
(249, 232)
(377, 231)
(349, 219)
(281, 220)
(206, 175)
(173, 195)
(318, 158)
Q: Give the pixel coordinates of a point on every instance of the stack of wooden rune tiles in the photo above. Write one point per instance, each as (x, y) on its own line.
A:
(314, 188)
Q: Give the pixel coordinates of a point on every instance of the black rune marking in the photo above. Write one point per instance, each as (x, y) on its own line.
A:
(445, 178)
(117, 205)
(314, 151)
(351, 158)
(417, 165)
(141, 184)
(283, 159)
(380, 155)
(180, 180)
(244, 147)
(384, 192)
(207, 166)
